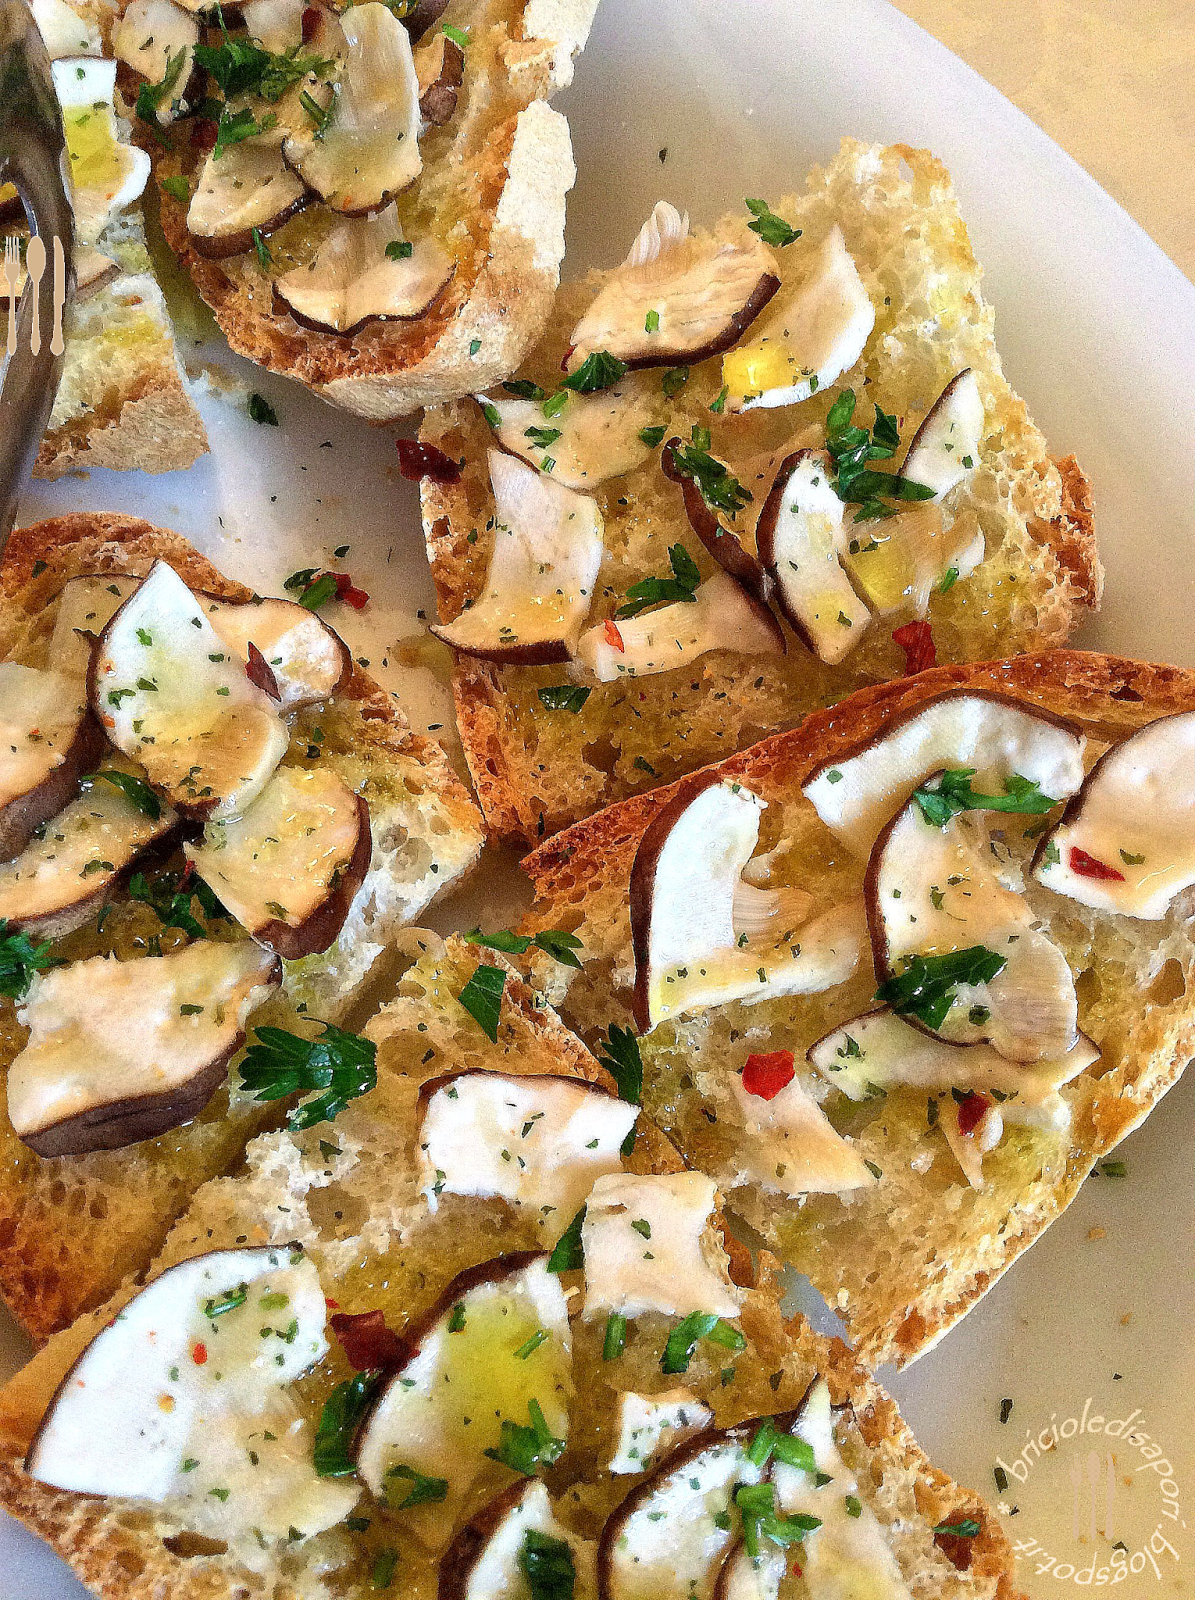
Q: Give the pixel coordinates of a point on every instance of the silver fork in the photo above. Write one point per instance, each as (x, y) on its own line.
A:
(33, 157)
(12, 277)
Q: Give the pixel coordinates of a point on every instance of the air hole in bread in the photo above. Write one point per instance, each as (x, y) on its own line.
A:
(194, 1544)
(602, 754)
(1169, 985)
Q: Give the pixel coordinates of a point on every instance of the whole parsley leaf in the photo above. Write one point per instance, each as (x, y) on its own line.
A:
(523, 1449)
(171, 901)
(563, 697)
(20, 958)
(337, 1067)
(619, 1053)
(567, 1255)
(852, 447)
(600, 370)
(559, 945)
(652, 591)
(720, 489)
(926, 986)
(953, 793)
(548, 1566)
(135, 790)
(341, 1415)
(482, 999)
(770, 228)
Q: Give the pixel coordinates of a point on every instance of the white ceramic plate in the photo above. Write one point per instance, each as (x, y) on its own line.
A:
(1097, 328)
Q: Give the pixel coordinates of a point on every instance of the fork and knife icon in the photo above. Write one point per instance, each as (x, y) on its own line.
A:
(33, 270)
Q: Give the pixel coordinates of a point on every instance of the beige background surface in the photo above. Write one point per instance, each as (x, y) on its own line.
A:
(1113, 81)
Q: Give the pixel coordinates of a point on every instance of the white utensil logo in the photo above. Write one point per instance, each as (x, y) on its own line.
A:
(25, 262)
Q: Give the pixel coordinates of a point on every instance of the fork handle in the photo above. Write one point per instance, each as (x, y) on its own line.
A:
(12, 317)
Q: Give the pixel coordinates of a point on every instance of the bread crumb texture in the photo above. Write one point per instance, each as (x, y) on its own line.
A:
(348, 1192)
(904, 1260)
(72, 1227)
(538, 769)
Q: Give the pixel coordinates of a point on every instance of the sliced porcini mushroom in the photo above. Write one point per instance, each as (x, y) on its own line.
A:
(878, 1051)
(802, 540)
(65, 31)
(647, 1424)
(143, 1414)
(418, 18)
(592, 438)
(289, 868)
(87, 1080)
(471, 1371)
(858, 792)
(485, 1559)
(745, 1577)
(368, 149)
(791, 1147)
(67, 871)
(567, 1133)
(721, 616)
(275, 25)
(973, 1127)
(811, 337)
(933, 896)
(1126, 842)
(651, 1244)
(945, 447)
(168, 695)
(48, 738)
(246, 189)
(847, 1553)
(106, 174)
(440, 69)
(686, 877)
(676, 298)
(543, 567)
(669, 1537)
(150, 37)
(897, 563)
(307, 659)
(85, 606)
(723, 543)
(352, 280)
(93, 271)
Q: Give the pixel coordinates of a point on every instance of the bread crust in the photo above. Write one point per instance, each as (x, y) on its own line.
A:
(519, 157)
(1108, 696)
(47, 1274)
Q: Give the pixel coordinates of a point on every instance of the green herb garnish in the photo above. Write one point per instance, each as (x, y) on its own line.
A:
(337, 1067)
(771, 228)
(926, 986)
(482, 999)
(681, 586)
(953, 793)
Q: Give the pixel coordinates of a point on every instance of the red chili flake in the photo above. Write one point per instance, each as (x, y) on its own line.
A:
(568, 356)
(613, 637)
(259, 671)
(310, 23)
(332, 1305)
(972, 1111)
(203, 133)
(367, 1341)
(347, 591)
(416, 460)
(766, 1075)
(1085, 866)
(917, 642)
(199, 1354)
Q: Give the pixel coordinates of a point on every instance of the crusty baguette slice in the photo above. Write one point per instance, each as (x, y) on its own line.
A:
(905, 1260)
(492, 191)
(72, 1227)
(537, 769)
(348, 1193)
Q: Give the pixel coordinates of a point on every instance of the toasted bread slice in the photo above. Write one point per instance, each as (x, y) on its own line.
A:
(904, 1259)
(122, 401)
(72, 1227)
(350, 1195)
(491, 193)
(539, 765)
